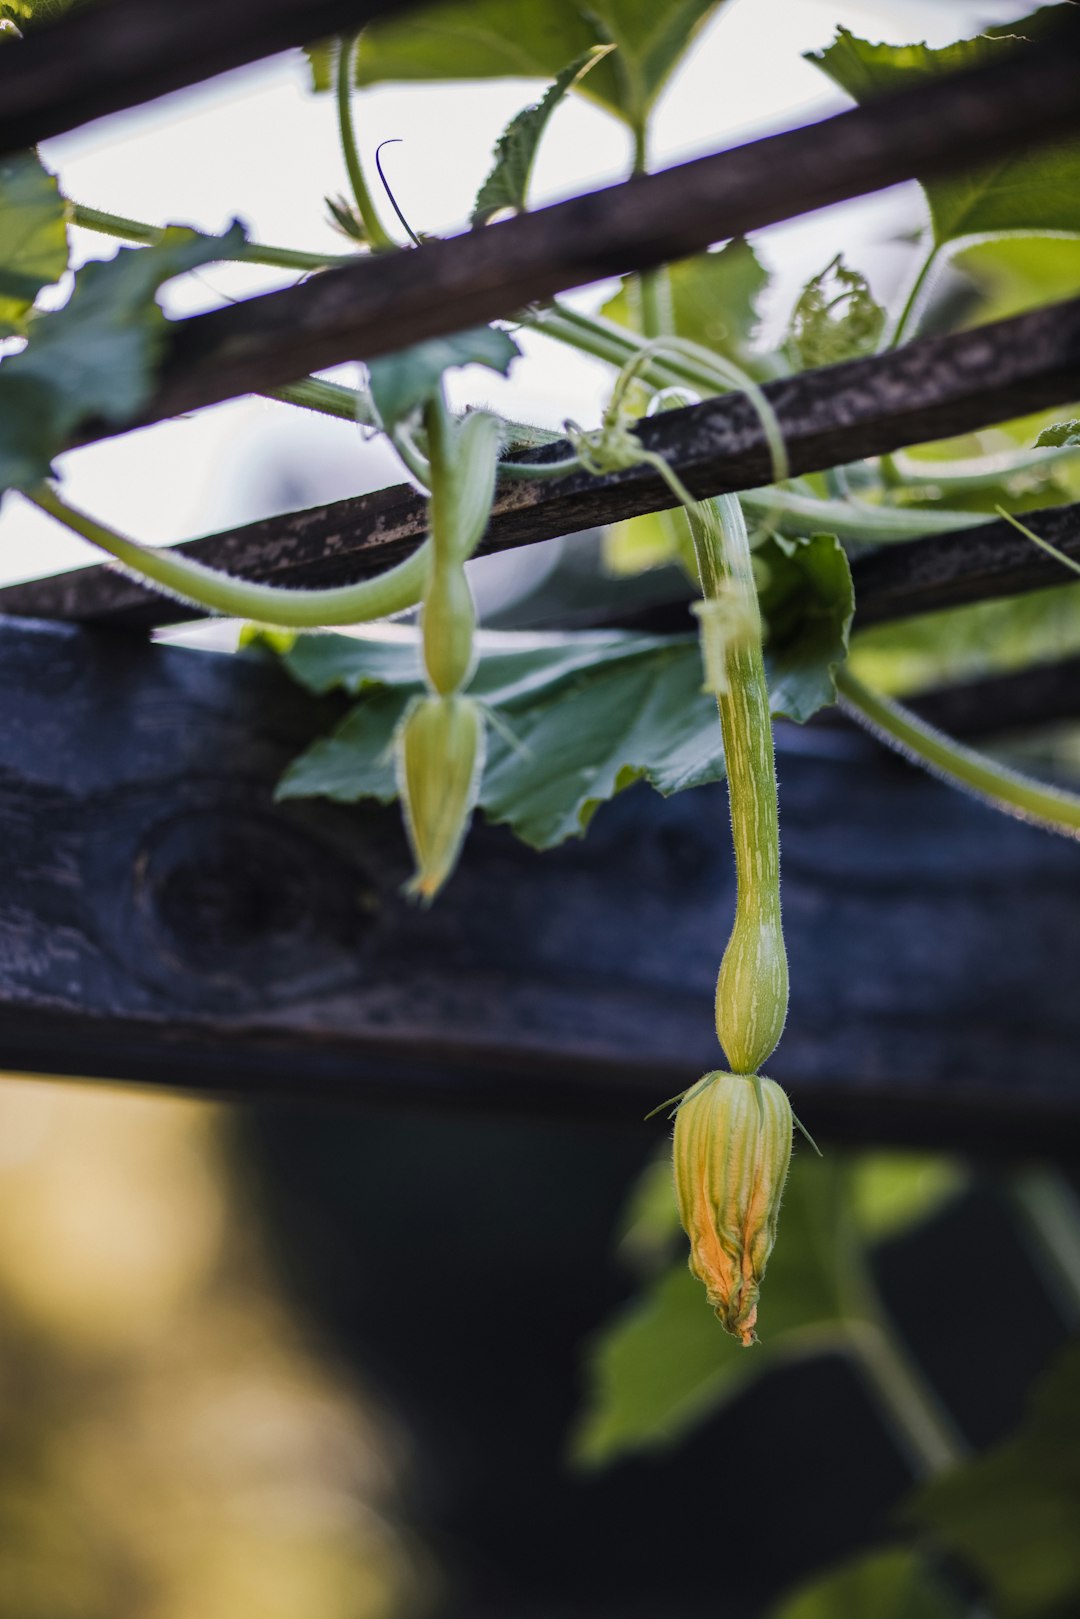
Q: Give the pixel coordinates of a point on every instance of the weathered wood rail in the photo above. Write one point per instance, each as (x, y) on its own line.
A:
(164, 923)
(386, 302)
(929, 389)
(118, 54)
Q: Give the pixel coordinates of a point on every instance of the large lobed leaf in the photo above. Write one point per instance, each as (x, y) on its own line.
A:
(94, 359)
(486, 39)
(579, 717)
(33, 237)
(1039, 191)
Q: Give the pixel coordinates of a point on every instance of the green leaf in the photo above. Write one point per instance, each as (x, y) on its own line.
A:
(585, 715)
(1011, 1514)
(654, 540)
(95, 359)
(893, 1191)
(967, 643)
(835, 318)
(485, 39)
(1018, 273)
(1037, 191)
(808, 602)
(665, 1363)
(400, 383)
(33, 236)
(714, 302)
(1060, 434)
(507, 186)
(893, 1584)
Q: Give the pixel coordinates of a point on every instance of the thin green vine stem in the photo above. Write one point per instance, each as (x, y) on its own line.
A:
(917, 1417)
(1050, 1210)
(327, 399)
(1005, 789)
(377, 234)
(911, 302)
(391, 592)
(137, 230)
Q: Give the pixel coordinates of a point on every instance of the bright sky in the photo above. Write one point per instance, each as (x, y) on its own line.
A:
(258, 145)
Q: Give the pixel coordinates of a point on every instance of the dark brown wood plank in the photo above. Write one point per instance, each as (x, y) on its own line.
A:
(978, 564)
(929, 389)
(164, 923)
(385, 303)
(119, 53)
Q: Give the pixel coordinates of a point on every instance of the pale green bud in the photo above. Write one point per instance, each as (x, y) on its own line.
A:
(440, 759)
(732, 1149)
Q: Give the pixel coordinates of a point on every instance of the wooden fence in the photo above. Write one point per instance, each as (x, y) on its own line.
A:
(164, 922)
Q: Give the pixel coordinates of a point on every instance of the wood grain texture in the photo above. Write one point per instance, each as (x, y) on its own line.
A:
(117, 54)
(385, 303)
(929, 389)
(161, 921)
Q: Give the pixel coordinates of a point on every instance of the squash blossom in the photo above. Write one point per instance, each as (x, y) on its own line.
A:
(732, 1150)
(440, 759)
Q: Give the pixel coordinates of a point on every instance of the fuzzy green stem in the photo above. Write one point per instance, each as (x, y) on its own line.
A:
(377, 235)
(1050, 1210)
(136, 230)
(327, 398)
(914, 1412)
(392, 592)
(1005, 789)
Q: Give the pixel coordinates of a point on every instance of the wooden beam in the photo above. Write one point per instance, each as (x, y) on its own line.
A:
(929, 389)
(387, 302)
(164, 923)
(116, 54)
(977, 564)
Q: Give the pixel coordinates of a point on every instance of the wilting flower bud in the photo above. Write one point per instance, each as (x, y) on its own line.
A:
(440, 759)
(732, 1149)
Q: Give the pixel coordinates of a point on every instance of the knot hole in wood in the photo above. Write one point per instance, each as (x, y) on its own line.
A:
(242, 909)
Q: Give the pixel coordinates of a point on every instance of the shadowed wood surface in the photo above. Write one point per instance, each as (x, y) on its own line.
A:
(116, 54)
(163, 922)
(387, 302)
(930, 389)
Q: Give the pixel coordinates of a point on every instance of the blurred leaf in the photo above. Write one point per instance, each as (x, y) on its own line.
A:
(486, 39)
(402, 382)
(1037, 191)
(654, 540)
(893, 1584)
(808, 601)
(96, 357)
(965, 643)
(714, 301)
(1017, 273)
(507, 186)
(892, 1191)
(665, 1362)
(835, 318)
(33, 236)
(1011, 1515)
(1061, 433)
(649, 1224)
